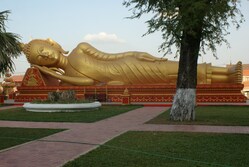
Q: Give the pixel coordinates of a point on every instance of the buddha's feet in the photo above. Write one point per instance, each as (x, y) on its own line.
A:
(236, 73)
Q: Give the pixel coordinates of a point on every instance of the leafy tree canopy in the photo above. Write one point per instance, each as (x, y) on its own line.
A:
(9, 45)
(171, 17)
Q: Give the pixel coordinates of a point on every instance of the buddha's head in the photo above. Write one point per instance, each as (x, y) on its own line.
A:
(43, 52)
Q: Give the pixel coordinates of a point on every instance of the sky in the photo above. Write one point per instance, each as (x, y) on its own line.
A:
(104, 25)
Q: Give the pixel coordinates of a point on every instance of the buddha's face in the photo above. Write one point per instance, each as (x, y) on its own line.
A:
(41, 53)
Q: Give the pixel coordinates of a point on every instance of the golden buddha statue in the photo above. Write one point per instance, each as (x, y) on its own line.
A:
(86, 65)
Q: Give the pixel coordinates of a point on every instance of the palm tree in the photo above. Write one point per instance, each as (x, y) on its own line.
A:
(9, 46)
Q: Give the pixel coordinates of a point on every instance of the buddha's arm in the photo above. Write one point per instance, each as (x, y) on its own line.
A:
(67, 79)
(147, 57)
(99, 55)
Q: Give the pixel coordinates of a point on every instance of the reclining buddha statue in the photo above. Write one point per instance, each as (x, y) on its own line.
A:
(86, 65)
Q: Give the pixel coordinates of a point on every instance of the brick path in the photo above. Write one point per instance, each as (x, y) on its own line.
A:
(52, 154)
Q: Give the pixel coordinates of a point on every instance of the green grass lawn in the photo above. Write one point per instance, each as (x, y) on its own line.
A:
(20, 114)
(212, 115)
(10, 137)
(163, 149)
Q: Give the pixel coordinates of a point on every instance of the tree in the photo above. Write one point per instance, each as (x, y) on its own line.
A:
(9, 45)
(192, 26)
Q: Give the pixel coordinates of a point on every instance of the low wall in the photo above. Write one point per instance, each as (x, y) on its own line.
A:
(137, 93)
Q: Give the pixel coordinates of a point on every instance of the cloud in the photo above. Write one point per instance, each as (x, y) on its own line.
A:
(103, 37)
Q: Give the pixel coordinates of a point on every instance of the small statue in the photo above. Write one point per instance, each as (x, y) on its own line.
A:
(1, 89)
(86, 65)
(8, 84)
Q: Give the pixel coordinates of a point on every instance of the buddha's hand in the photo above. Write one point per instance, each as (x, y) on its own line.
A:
(46, 70)
(67, 79)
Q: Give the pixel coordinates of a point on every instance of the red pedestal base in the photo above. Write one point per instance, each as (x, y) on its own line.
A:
(221, 93)
(1, 99)
(125, 99)
(37, 86)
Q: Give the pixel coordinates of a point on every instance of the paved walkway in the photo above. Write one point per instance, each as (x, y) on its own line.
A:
(52, 153)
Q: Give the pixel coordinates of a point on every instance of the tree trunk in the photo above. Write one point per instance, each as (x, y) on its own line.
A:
(184, 102)
(183, 107)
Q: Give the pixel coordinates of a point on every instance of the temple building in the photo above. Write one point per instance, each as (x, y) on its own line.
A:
(246, 80)
(18, 79)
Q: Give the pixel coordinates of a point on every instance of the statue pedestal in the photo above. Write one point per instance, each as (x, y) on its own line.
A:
(221, 93)
(125, 99)
(37, 86)
(2, 99)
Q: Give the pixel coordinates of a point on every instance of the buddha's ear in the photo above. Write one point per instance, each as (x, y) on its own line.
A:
(50, 40)
(53, 43)
(56, 45)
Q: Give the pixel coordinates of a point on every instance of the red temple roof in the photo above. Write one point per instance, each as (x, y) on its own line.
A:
(17, 78)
